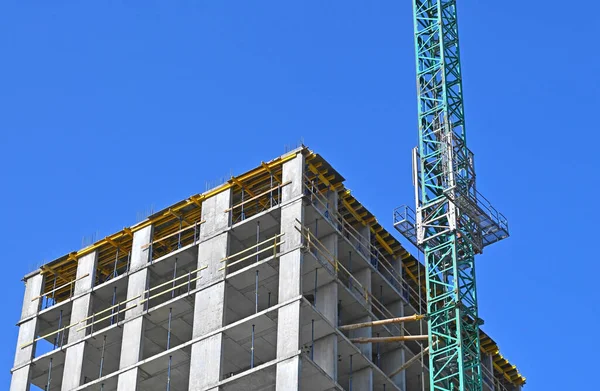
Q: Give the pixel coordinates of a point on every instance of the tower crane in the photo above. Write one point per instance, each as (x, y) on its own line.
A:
(453, 222)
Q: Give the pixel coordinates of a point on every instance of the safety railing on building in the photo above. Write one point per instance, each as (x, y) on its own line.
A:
(48, 298)
(329, 262)
(249, 203)
(116, 312)
(336, 268)
(256, 253)
(177, 286)
(361, 245)
(167, 243)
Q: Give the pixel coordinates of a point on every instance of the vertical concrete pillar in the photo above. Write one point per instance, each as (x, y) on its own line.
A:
(364, 236)
(290, 277)
(209, 306)
(363, 380)
(364, 278)
(325, 350)
(133, 329)
(27, 332)
(82, 308)
(394, 359)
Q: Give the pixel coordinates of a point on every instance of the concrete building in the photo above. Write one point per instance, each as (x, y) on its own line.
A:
(243, 287)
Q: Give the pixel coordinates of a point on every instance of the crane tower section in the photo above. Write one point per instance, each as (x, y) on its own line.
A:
(453, 222)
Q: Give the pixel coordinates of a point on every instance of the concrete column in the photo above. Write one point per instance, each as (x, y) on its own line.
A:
(27, 332)
(394, 359)
(290, 277)
(133, 329)
(209, 306)
(362, 380)
(325, 350)
(82, 308)
(364, 278)
(364, 232)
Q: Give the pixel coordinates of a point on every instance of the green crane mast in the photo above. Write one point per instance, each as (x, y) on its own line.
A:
(453, 222)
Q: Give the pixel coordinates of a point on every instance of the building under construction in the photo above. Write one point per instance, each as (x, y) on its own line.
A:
(279, 279)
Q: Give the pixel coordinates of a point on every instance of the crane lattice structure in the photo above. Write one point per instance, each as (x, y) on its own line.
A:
(453, 221)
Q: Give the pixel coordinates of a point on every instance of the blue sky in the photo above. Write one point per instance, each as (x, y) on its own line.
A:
(111, 108)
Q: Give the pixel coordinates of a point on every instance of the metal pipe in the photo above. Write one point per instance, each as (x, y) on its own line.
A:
(116, 260)
(60, 333)
(252, 350)
(409, 362)
(316, 276)
(382, 322)
(312, 339)
(389, 339)
(174, 278)
(112, 311)
(271, 193)
(102, 357)
(243, 215)
(256, 294)
(179, 235)
(257, 238)
(53, 291)
(350, 269)
(49, 375)
(169, 374)
(169, 329)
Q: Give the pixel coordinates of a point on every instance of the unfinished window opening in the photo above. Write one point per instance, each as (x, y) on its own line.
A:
(109, 304)
(102, 354)
(47, 373)
(167, 372)
(250, 198)
(252, 291)
(173, 276)
(168, 326)
(52, 330)
(176, 230)
(254, 241)
(113, 257)
(249, 344)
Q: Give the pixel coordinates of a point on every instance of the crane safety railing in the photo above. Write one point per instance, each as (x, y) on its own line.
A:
(361, 245)
(256, 253)
(114, 311)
